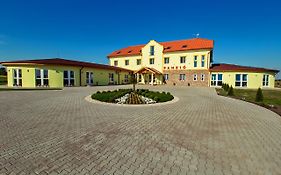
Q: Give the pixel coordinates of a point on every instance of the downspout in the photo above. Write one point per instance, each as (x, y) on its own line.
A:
(80, 75)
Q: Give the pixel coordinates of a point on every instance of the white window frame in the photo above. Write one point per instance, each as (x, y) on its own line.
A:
(151, 60)
(89, 78)
(115, 63)
(111, 78)
(166, 77)
(216, 80)
(166, 62)
(17, 76)
(195, 61)
(126, 62)
(182, 60)
(265, 80)
(68, 78)
(202, 77)
(203, 61)
(126, 78)
(182, 77)
(41, 78)
(138, 61)
(241, 80)
(195, 77)
(152, 50)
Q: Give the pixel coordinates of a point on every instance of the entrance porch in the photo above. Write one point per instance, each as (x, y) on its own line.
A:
(150, 76)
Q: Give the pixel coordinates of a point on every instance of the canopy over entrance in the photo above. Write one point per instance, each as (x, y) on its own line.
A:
(147, 70)
(147, 75)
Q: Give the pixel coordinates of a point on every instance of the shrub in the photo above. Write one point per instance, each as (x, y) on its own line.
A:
(230, 91)
(156, 99)
(259, 95)
(98, 92)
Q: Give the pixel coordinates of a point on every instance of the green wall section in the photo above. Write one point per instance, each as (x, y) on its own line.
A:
(55, 73)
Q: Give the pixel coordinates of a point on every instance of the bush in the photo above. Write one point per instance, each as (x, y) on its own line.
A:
(110, 96)
(156, 99)
(259, 95)
(98, 92)
(230, 91)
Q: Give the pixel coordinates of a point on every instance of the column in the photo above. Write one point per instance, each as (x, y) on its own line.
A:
(151, 78)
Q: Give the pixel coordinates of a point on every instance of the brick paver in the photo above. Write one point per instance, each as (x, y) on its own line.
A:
(58, 132)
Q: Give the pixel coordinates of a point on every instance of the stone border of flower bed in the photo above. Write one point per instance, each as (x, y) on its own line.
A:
(89, 99)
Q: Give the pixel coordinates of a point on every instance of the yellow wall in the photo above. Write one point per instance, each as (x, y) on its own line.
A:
(101, 76)
(132, 62)
(158, 56)
(254, 79)
(174, 59)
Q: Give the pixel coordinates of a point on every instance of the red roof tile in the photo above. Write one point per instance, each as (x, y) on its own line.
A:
(234, 68)
(63, 62)
(170, 46)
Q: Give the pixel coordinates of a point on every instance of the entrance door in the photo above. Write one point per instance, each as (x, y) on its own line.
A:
(90, 78)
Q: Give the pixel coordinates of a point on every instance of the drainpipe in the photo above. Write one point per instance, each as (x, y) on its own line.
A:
(80, 75)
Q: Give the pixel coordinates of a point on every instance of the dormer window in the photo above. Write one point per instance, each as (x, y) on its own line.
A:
(118, 52)
(166, 48)
(184, 46)
(129, 51)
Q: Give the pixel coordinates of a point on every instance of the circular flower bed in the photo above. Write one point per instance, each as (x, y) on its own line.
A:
(128, 96)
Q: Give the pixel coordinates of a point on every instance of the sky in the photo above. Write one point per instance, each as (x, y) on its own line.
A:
(245, 32)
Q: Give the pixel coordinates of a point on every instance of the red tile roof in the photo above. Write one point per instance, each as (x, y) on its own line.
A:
(170, 46)
(234, 68)
(63, 62)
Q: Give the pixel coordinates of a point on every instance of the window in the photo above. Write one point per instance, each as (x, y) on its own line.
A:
(151, 50)
(241, 80)
(111, 78)
(166, 60)
(140, 78)
(41, 77)
(115, 63)
(182, 60)
(203, 61)
(126, 78)
(68, 78)
(195, 61)
(265, 80)
(166, 77)
(195, 77)
(126, 62)
(151, 61)
(138, 61)
(216, 80)
(182, 77)
(202, 77)
(17, 77)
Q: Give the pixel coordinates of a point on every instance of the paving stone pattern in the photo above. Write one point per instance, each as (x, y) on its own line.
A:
(59, 132)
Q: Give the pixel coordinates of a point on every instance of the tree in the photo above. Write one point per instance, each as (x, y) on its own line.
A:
(259, 95)
(134, 81)
(230, 91)
(3, 71)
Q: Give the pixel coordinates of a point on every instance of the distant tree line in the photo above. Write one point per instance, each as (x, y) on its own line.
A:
(3, 71)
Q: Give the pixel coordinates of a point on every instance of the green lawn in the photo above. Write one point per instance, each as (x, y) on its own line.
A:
(3, 80)
(271, 97)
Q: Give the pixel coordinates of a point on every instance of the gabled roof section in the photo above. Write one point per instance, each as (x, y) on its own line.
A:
(62, 62)
(170, 46)
(148, 69)
(234, 68)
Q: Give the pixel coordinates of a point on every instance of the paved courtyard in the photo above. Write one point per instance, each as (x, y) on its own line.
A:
(59, 132)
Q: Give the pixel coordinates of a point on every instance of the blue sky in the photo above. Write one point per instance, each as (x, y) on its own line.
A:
(245, 32)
